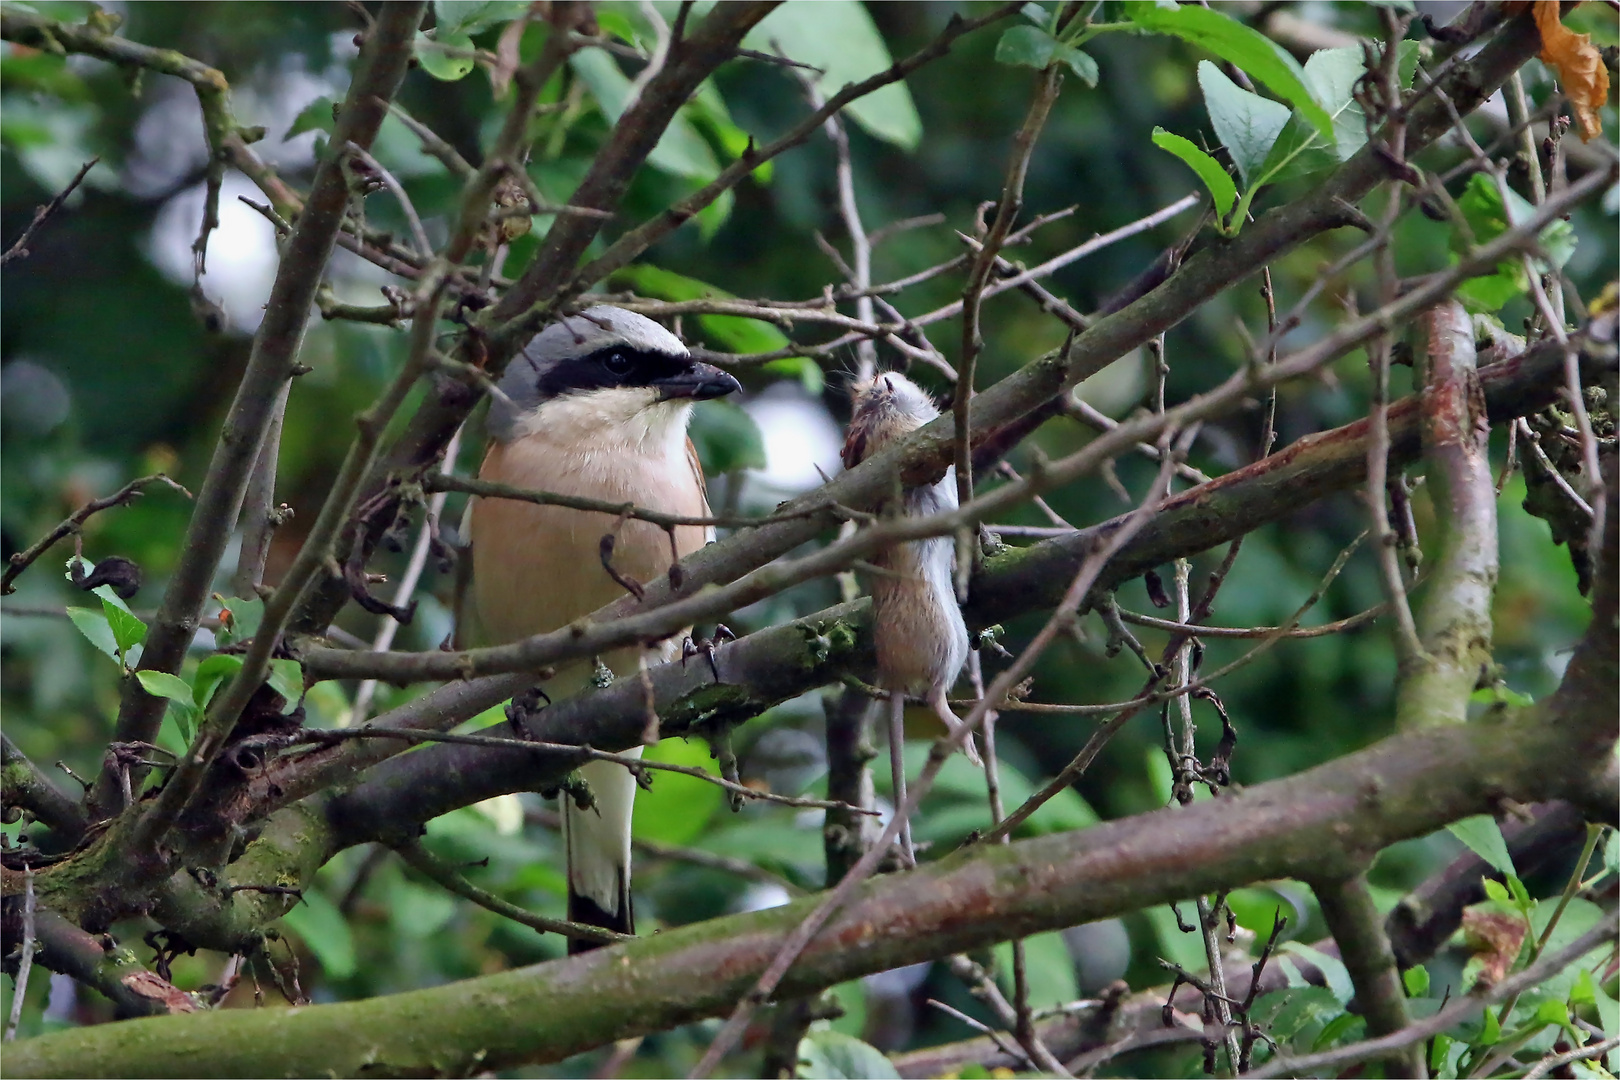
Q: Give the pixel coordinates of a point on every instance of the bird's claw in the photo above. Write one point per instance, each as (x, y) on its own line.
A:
(694, 646)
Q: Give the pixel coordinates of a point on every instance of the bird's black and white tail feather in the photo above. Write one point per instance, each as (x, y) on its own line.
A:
(598, 841)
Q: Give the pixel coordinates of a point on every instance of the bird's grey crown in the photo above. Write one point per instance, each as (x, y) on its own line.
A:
(526, 384)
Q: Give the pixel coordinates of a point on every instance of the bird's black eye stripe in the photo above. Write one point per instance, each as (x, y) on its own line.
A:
(614, 366)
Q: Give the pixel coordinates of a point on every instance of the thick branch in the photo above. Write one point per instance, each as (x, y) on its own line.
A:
(1314, 825)
(1353, 921)
(25, 786)
(924, 456)
(771, 665)
(1454, 623)
(271, 363)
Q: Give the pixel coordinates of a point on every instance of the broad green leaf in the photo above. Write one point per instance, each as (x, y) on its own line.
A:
(1482, 836)
(316, 116)
(210, 674)
(1025, 46)
(831, 1055)
(1261, 58)
(418, 911)
(1481, 206)
(432, 51)
(239, 619)
(1495, 890)
(162, 684)
(472, 16)
(1416, 980)
(1083, 66)
(726, 437)
(1247, 124)
(93, 625)
(1215, 178)
(185, 718)
(287, 679)
(839, 37)
(680, 150)
(803, 368)
(128, 630)
(1048, 967)
(678, 808)
(323, 928)
(1552, 1011)
(618, 25)
(1332, 968)
(1332, 75)
(730, 333)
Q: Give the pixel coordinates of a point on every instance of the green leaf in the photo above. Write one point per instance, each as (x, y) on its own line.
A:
(128, 630)
(1495, 890)
(830, 1055)
(316, 116)
(1332, 75)
(839, 37)
(1437, 1054)
(616, 24)
(1611, 853)
(1035, 13)
(1553, 1011)
(1261, 58)
(418, 911)
(678, 808)
(437, 62)
(1083, 66)
(1215, 178)
(1332, 968)
(323, 928)
(185, 719)
(1521, 895)
(1416, 980)
(93, 625)
(1247, 124)
(287, 679)
(1492, 1032)
(680, 150)
(1025, 46)
(726, 437)
(1048, 968)
(803, 368)
(162, 684)
(730, 333)
(239, 620)
(1483, 838)
(210, 673)
(471, 16)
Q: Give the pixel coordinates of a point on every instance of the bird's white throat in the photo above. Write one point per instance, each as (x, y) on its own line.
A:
(626, 420)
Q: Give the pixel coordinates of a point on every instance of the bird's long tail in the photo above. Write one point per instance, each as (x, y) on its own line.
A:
(598, 841)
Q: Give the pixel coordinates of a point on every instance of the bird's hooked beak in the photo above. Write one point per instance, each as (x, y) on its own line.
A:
(699, 382)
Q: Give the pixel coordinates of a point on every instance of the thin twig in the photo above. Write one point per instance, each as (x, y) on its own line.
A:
(1464, 1008)
(636, 765)
(126, 494)
(1583, 1053)
(424, 248)
(25, 963)
(795, 942)
(19, 249)
(444, 874)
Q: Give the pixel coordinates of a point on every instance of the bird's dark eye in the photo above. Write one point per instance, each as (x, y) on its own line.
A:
(616, 362)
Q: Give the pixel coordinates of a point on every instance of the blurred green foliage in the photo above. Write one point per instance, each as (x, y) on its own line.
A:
(109, 375)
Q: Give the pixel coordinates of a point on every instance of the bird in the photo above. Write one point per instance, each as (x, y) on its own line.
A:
(596, 405)
(921, 638)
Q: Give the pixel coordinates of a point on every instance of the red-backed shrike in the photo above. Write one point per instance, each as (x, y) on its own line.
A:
(596, 405)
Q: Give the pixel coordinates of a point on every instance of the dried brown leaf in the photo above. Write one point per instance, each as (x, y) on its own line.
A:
(1579, 66)
(1494, 936)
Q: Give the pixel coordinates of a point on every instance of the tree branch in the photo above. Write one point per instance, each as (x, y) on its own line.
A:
(271, 363)
(1353, 921)
(25, 786)
(1312, 825)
